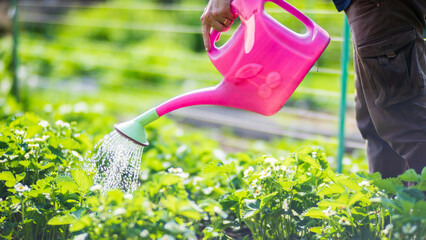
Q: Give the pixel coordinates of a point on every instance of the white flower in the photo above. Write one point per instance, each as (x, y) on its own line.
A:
(294, 212)
(183, 175)
(47, 196)
(62, 124)
(344, 221)
(167, 237)
(387, 229)
(253, 184)
(208, 190)
(35, 145)
(364, 183)
(409, 229)
(174, 227)
(44, 124)
(20, 132)
(248, 171)
(77, 155)
(270, 160)
(128, 196)
(21, 188)
(15, 207)
(119, 211)
(196, 180)
(144, 233)
(265, 173)
(175, 170)
(258, 191)
(328, 212)
(81, 236)
(95, 187)
(285, 204)
(276, 168)
(314, 155)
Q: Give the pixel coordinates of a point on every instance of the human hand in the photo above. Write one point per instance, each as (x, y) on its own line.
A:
(217, 15)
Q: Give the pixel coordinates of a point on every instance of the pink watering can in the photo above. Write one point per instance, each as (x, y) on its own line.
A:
(262, 64)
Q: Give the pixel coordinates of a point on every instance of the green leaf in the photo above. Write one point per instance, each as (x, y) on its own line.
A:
(286, 185)
(423, 175)
(317, 230)
(331, 189)
(66, 184)
(267, 198)
(386, 202)
(350, 184)
(69, 143)
(356, 197)
(167, 179)
(80, 224)
(386, 185)
(419, 209)
(32, 131)
(8, 177)
(251, 208)
(45, 166)
(50, 156)
(25, 163)
(218, 166)
(249, 214)
(62, 220)
(410, 195)
(315, 213)
(19, 177)
(330, 203)
(409, 176)
(422, 185)
(83, 180)
(253, 204)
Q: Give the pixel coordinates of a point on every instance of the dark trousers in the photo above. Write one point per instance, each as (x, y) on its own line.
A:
(390, 76)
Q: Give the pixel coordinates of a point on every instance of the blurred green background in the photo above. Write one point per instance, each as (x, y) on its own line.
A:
(99, 62)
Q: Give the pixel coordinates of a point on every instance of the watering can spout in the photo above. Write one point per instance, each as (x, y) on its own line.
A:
(205, 96)
(134, 129)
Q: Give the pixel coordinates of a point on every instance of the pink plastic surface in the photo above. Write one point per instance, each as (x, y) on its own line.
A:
(262, 63)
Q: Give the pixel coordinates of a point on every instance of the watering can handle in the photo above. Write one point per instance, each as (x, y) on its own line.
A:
(298, 14)
(214, 35)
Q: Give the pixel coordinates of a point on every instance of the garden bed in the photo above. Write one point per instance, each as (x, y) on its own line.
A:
(190, 189)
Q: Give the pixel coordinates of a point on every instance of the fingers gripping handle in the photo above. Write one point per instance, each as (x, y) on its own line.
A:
(214, 37)
(238, 7)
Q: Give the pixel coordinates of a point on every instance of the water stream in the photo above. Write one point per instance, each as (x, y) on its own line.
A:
(117, 163)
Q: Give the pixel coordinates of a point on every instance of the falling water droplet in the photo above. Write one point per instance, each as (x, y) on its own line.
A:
(116, 163)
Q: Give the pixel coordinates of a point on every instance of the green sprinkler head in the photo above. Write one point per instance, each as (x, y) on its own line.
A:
(135, 129)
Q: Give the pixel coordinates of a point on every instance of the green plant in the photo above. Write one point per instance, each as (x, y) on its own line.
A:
(406, 206)
(160, 209)
(39, 176)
